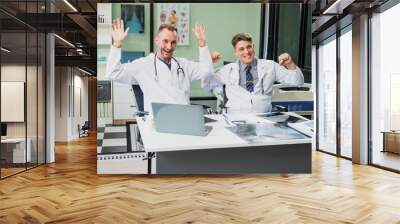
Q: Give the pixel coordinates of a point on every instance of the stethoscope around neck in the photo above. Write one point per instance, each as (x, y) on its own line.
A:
(178, 70)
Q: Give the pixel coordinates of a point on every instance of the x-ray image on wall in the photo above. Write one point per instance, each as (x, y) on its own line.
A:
(133, 17)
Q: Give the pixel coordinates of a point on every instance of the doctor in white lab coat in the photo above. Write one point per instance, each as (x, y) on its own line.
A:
(249, 80)
(162, 77)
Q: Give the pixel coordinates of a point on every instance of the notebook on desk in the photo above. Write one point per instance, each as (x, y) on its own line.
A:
(180, 119)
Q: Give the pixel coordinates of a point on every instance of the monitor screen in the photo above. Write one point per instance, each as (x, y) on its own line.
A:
(103, 91)
(3, 129)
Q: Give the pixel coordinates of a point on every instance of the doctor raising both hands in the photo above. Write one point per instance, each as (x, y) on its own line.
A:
(162, 77)
(249, 80)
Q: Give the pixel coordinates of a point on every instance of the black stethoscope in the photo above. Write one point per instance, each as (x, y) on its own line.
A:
(178, 70)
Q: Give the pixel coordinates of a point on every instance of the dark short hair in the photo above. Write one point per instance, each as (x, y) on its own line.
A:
(168, 27)
(241, 36)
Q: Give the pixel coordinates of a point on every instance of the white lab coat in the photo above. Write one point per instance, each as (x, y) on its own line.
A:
(169, 88)
(259, 101)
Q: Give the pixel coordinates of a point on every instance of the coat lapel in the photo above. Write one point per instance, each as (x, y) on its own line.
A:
(261, 68)
(234, 74)
(174, 68)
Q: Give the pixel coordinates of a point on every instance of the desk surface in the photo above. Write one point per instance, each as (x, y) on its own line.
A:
(219, 137)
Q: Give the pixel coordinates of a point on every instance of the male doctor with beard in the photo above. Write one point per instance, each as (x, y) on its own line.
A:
(162, 77)
(249, 80)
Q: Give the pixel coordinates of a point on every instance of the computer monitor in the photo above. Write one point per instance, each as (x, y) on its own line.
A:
(3, 129)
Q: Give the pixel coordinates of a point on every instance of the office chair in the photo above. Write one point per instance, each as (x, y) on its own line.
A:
(206, 109)
(138, 94)
(220, 93)
(84, 130)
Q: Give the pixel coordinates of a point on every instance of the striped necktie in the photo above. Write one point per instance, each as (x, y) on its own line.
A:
(249, 79)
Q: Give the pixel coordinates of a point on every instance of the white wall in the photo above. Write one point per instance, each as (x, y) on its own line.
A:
(61, 103)
(79, 117)
(82, 83)
(13, 73)
(70, 83)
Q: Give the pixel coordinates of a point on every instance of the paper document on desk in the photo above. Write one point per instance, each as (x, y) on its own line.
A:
(306, 127)
(265, 132)
(283, 118)
(236, 117)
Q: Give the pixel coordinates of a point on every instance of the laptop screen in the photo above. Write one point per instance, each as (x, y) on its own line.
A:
(179, 119)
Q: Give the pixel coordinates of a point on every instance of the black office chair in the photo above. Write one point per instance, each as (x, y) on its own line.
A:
(207, 109)
(84, 130)
(138, 93)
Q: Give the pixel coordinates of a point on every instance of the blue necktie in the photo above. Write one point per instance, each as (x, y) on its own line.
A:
(249, 80)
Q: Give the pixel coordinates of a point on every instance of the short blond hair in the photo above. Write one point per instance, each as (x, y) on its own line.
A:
(168, 27)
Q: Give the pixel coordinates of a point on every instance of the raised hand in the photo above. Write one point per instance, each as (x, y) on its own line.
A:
(200, 33)
(118, 33)
(286, 60)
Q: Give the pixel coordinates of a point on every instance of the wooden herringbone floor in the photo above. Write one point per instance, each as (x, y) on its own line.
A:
(70, 191)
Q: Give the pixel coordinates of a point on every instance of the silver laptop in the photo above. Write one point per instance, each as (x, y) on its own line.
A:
(179, 119)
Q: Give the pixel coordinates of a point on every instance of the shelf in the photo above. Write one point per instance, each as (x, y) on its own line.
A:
(104, 24)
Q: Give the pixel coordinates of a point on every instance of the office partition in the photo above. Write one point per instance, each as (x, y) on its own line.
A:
(23, 88)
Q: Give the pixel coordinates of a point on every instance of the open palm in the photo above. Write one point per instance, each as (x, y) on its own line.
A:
(118, 32)
(200, 33)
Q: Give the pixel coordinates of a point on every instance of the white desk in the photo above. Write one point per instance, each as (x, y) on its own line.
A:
(222, 151)
(18, 150)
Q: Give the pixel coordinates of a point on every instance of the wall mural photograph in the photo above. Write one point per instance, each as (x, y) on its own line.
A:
(187, 90)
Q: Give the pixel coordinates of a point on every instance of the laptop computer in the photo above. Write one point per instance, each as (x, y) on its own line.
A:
(180, 119)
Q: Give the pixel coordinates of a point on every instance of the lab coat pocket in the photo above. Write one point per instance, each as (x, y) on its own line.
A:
(238, 99)
(260, 103)
(233, 81)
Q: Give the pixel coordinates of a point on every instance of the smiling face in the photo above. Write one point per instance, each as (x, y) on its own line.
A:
(166, 43)
(244, 50)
